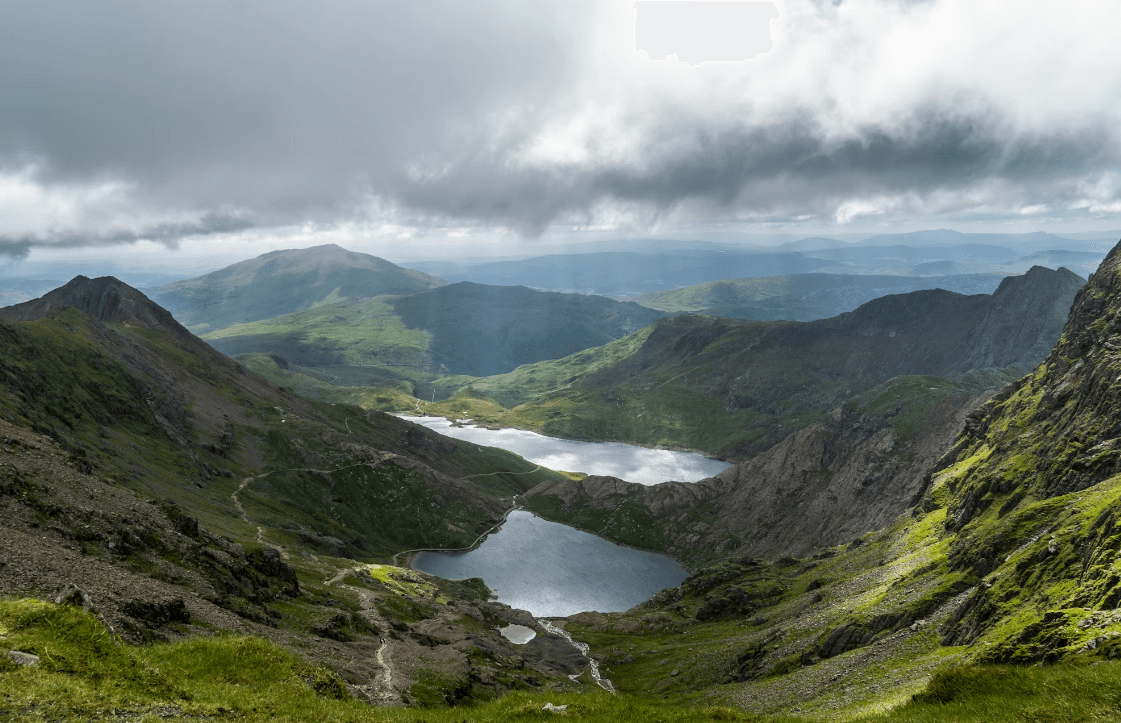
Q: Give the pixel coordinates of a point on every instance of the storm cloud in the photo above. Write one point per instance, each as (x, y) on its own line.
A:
(126, 120)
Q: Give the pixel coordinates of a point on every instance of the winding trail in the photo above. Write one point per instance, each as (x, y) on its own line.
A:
(382, 691)
(487, 474)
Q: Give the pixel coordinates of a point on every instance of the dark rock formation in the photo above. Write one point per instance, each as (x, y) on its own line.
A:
(823, 485)
(1023, 321)
(105, 298)
(157, 614)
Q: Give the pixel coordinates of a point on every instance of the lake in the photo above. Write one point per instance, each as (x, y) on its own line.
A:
(553, 570)
(613, 459)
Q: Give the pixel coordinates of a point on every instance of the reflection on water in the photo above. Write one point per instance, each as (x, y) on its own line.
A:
(615, 459)
(553, 570)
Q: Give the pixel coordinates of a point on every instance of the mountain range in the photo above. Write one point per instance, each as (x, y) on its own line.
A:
(804, 297)
(633, 272)
(906, 535)
(736, 388)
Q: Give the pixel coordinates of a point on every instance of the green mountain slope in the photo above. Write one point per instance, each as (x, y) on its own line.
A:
(482, 330)
(1009, 557)
(281, 282)
(186, 495)
(413, 343)
(339, 332)
(735, 388)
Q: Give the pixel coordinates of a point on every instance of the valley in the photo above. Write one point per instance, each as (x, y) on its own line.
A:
(724, 387)
(502, 362)
(887, 517)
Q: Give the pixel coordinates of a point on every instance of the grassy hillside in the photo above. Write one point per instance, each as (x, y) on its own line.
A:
(336, 332)
(483, 330)
(254, 680)
(412, 342)
(107, 391)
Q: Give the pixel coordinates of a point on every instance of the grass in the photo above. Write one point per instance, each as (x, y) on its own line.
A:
(85, 673)
(337, 331)
(1050, 694)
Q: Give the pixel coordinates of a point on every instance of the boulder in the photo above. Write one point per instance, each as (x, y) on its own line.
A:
(23, 658)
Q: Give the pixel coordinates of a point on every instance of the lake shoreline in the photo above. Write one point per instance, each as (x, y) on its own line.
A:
(563, 571)
(496, 426)
(640, 464)
(413, 554)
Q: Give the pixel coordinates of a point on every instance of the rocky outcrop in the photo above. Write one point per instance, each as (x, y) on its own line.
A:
(824, 485)
(1023, 321)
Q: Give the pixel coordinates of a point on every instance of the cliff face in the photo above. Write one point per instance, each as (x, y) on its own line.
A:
(827, 484)
(1042, 299)
(1059, 428)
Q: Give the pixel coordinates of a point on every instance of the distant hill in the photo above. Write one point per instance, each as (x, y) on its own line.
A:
(735, 388)
(629, 274)
(803, 297)
(482, 330)
(281, 282)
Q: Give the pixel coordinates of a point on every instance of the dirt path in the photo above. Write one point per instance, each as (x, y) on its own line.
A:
(382, 691)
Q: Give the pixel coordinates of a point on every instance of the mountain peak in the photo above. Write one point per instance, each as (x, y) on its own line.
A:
(106, 299)
(281, 282)
(1095, 317)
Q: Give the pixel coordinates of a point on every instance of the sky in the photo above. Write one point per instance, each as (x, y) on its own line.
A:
(187, 132)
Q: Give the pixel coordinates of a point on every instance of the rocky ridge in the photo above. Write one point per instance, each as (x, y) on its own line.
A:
(824, 485)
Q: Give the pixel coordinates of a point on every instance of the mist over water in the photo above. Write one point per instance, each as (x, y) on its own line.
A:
(554, 570)
(614, 459)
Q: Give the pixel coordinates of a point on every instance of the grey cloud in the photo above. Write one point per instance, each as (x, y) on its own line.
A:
(18, 247)
(288, 111)
(789, 167)
(283, 107)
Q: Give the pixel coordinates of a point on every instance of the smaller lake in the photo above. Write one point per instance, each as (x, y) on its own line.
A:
(553, 570)
(518, 634)
(614, 459)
